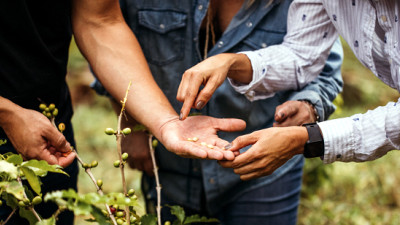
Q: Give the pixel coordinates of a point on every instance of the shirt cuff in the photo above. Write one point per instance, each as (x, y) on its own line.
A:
(339, 140)
(259, 72)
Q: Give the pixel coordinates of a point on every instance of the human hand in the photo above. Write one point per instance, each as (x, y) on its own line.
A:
(34, 137)
(271, 148)
(137, 146)
(211, 73)
(294, 113)
(174, 135)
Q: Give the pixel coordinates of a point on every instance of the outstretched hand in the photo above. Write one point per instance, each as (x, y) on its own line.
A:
(34, 137)
(175, 134)
(271, 148)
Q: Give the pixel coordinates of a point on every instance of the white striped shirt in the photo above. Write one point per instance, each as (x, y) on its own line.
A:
(313, 26)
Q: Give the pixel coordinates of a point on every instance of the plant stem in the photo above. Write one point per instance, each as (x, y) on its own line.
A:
(158, 186)
(90, 174)
(119, 149)
(9, 217)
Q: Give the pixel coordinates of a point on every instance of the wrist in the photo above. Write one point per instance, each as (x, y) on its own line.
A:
(8, 109)
(240, 68)
(313, 111)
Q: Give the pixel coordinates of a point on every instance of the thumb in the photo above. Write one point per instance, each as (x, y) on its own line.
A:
(284, 111)
(229, 125)
(57, 140)
(242, 141)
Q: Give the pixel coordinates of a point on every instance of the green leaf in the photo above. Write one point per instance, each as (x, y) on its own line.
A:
(10, 200)
(8, 169)
(198, 219)
(14, 188)
(15, 159)
(178, 212)
(27, 214)
(49, 221)
(148, 219)
(32, 179)
(42, 167)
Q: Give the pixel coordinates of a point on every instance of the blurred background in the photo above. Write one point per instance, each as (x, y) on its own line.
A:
(339, 193)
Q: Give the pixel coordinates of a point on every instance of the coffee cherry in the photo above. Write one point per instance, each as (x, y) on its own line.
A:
(120, 221)
(104, 212)
(21, 204)
(85, 165)
(55, 112)
(126, 131)
(48, 115)
(167, 223)
(1, 202)
(133, 219)
(113, 209)
(99, 183)
(154, 143)
(52, 107)
(94, 164)
(119, 214)
(109, 131)
(125, 156)
(42, 107)
(117, 163)
(61, 127)
(47, 109)
(37, 200)
(131, 192)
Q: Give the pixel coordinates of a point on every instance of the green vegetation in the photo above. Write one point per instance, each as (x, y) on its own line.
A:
(339, 193)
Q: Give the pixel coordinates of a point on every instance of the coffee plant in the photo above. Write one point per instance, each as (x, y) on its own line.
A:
(103, 208)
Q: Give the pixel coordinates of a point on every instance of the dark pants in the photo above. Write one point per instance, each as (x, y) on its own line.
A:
(51, 182)
(275, 203)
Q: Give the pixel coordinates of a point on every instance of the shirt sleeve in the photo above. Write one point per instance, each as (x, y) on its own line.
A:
(362, 137)
(298, 60)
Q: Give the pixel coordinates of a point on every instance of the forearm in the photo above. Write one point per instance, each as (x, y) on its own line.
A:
(362, 137)
(116, 58)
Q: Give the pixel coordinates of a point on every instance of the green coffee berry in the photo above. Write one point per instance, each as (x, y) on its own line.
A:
(125, 156)
(42, 106)
(119, 214)
(94, 164)
(104, 212)
(167, 223)
(1, 202)
(48, 115)
(47, 109)
(131, 192)
(55, 112)
(37, 200)
(133, 219)
(99, 183)
(21, 204)
(109, 131)
(120, 221)
(126, 131)
(117, 163)
(85, 165)
(52, 107)
(61, 127)
(154, 143)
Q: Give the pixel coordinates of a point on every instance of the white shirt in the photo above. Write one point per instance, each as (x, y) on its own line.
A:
(313, 26)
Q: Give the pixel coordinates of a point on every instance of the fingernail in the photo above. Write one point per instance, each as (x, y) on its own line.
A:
(228, 146)
(199, 105)
(180, 116)
(282, 115)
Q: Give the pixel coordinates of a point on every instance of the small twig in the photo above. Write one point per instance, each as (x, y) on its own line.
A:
(158, 186)
(9, 216)
(119, 149)
(99, 191)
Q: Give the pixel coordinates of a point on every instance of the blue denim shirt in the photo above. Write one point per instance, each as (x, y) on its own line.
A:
(168, 32)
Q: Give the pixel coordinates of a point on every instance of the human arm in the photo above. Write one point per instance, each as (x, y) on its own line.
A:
(33, 135)
(116, 58)
(288, 66)
(319, 93)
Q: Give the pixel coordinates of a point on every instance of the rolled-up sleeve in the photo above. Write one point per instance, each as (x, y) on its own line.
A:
(298, 60)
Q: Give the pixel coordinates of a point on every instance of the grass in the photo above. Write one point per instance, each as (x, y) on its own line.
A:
(339, 193)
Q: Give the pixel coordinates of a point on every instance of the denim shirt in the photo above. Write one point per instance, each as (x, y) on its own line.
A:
(168, 32)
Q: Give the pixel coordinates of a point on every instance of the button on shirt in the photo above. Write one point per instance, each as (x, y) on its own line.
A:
(313, 25)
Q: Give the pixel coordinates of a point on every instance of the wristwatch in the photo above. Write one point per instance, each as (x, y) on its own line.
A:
(315, 144)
